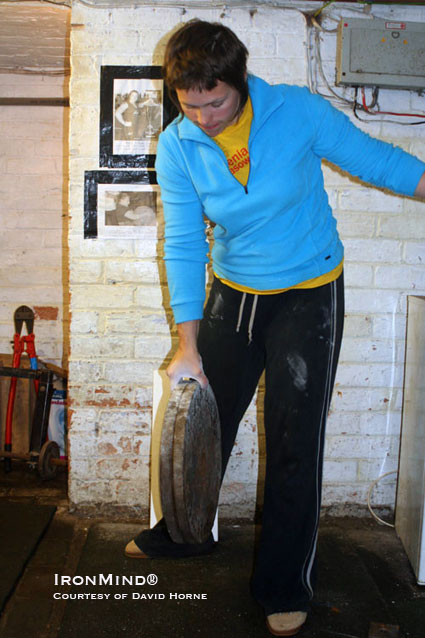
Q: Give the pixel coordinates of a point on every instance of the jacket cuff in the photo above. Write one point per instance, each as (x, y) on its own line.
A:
(188, 311)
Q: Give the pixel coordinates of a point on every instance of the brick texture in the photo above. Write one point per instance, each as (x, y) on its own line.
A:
(33, 208)
(121, 320)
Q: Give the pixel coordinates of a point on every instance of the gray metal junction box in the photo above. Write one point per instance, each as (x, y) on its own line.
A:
(381, 53)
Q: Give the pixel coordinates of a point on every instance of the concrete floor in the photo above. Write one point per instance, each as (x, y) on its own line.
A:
(366, 587)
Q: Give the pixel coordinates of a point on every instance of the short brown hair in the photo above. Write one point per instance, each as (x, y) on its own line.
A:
(200, 54)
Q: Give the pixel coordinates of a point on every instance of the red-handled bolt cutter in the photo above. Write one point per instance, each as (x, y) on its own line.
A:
(24, 343)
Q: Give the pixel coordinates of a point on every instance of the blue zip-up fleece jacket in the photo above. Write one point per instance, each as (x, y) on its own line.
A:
(279, 230)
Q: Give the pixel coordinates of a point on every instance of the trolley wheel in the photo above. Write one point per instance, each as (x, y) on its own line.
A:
(46, 468)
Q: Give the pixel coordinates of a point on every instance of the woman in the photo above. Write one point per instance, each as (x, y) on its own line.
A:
(247, 156)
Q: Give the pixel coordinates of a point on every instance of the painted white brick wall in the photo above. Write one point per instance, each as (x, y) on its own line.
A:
(121, 320)
(33, 209)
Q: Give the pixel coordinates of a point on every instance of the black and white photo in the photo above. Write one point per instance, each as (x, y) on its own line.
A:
(134, 109)
(120, 204)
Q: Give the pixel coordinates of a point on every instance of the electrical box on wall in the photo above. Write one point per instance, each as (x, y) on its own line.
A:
(381, 53)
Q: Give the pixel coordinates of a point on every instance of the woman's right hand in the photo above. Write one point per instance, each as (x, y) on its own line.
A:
(187, 362)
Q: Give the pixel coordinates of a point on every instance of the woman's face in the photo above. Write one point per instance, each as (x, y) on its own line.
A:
(124, 200)
(212, 111)
(133, 97)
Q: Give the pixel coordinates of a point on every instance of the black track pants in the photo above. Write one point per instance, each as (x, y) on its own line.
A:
(295, 336)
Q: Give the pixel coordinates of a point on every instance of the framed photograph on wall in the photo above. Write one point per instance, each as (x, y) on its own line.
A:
(134, 109)
(120, 204)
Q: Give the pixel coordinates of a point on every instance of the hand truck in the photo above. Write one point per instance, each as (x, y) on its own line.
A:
(42, 452)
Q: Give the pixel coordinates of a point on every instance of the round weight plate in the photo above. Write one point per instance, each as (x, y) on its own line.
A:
(46, 469)
(197, 466)
(166, 464)
(190, 464)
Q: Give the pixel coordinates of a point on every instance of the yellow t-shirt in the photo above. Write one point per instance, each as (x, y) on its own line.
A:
(233, 141)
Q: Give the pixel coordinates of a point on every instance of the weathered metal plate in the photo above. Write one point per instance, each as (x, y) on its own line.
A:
(166, 464)
(190, 463)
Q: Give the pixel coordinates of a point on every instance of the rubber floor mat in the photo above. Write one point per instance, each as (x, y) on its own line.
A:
(21, 528)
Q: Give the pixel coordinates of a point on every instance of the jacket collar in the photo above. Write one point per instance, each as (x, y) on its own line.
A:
(264, 97)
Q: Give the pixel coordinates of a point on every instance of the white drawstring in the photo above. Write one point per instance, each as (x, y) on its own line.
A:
(241, 307)
(252, 317)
